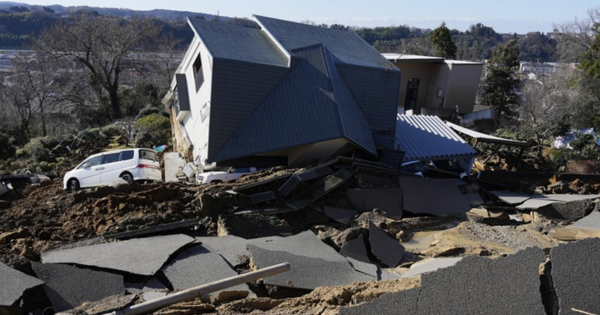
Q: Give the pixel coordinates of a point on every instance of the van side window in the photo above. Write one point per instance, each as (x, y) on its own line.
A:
(91, 162)
(126, 155)
(110, 158)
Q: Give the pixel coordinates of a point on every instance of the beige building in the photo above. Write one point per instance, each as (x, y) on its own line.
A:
(436, 86)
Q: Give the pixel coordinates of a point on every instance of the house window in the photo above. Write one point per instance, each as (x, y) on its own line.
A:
(205, 111)
(198, 72)
(412, 91)
(176, 101)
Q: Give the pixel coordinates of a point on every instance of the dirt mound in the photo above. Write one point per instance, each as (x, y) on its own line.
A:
(49, 216)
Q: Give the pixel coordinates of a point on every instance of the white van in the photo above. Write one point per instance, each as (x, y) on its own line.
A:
(106, 167)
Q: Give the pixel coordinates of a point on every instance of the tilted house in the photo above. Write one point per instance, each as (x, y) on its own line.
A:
(281, 94)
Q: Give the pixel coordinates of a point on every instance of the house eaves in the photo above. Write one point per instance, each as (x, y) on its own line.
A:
(346, 46)
(428, 138)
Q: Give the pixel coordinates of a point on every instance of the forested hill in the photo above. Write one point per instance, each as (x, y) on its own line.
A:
(19, 22)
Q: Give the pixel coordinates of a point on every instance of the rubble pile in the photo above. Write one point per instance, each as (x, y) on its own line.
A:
(359, 237)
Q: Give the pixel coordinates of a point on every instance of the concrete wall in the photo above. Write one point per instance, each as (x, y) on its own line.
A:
(463, 84)
(420, 71)
(458, 82)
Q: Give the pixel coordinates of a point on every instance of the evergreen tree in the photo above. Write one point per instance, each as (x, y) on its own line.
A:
(444, 46)
(590, 63)
(500, 82)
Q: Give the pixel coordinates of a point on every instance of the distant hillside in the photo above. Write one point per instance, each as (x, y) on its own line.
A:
(20, 21)
(59, 9)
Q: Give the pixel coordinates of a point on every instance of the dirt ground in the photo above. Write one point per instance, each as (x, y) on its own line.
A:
(40, 217)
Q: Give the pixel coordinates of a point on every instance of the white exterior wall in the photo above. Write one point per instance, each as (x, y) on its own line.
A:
(194, 126)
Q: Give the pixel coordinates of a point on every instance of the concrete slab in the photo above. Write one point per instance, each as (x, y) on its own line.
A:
(197, 266)
(173, 164)
(568, 210)
(576, 274)
(475, 285)
(534, 204)
(388, 250)
(429, 265)
(474, 199)
(142, 256)
(366, 268)
(565, 197)
(356, 249)
(388, 200)
(320, 189)
(436, 196)
(149, 286)
(344, 216)
(14, 283)
(590, 222)
(232, 248)
(510, 198)
(313, 262)
(68, 287)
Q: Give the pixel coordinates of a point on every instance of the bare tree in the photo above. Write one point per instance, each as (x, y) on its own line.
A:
(100, 46)
(576, 37)
(28, 96)
(547, 102)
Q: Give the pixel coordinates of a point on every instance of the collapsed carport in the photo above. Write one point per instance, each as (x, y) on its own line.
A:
(482, 137)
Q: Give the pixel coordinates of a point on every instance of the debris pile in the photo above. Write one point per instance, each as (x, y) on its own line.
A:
(360, 238)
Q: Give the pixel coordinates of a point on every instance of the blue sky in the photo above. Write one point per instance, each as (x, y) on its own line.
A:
(507, 16)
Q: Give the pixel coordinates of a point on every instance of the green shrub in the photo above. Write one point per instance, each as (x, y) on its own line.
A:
(20, 153)
(152, 130)
(44, 166)
(148, 110)
(37, 149)
(113, 130)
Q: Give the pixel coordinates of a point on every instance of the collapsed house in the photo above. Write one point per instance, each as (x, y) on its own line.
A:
(280, 94)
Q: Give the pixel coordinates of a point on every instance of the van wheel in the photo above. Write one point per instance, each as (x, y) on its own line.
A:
(73, 184)
(216, 181)
(127, 177)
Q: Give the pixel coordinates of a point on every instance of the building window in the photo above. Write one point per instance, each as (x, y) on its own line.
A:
(176, 101)
(412, 91)
(205, 111)
(198, 72)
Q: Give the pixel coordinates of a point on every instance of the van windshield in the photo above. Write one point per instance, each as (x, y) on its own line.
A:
(148, 155)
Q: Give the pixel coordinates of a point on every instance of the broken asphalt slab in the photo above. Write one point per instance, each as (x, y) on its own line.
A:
(232, 248)
(576, 275)
(436, 196)
(356, 249)
(388, 250)
(313, 263)
(344, 216)
(475, 285)
(14, 284)
(197, 266)
(142, 256)
(68, 287)
(559, 206)
(591, 221)
(388, 200)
